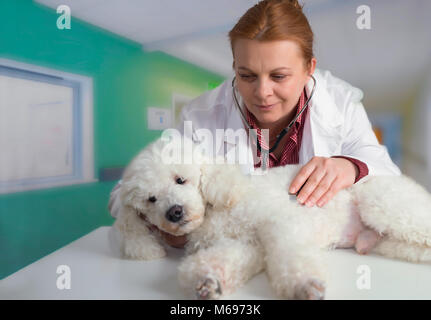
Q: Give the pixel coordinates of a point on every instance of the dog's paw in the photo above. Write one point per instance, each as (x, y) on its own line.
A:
(310, 289)
(366, 241)
(208, 289)
(138, 251)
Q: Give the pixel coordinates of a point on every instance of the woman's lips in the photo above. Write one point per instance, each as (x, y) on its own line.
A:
(266, 107)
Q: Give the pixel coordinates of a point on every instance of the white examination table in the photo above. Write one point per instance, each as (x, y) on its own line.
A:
(98, 272)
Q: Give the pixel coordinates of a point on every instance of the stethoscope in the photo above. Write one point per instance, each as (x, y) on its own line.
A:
(265, 152)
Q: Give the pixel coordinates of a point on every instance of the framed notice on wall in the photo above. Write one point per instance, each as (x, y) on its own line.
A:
(46, 128)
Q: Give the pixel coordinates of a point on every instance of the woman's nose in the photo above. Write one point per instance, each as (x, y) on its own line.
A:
(263, 88)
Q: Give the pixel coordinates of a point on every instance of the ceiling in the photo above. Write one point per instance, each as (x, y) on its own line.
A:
(387, 62)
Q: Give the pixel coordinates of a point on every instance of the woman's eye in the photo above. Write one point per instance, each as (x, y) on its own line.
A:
(180, 181)
(246, 76)
(152, 199)
(278, 77)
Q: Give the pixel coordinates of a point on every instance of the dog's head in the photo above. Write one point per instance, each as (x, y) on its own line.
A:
(164, 191)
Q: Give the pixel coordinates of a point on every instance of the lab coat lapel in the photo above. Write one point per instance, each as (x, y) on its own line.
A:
(321, 136)
(235, 145)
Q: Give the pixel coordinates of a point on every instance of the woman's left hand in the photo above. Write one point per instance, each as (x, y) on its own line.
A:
(322, 178)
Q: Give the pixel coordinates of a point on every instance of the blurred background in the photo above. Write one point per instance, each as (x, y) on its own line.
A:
(76, 104)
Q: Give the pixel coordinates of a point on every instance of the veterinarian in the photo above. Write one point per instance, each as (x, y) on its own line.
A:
(274, 64)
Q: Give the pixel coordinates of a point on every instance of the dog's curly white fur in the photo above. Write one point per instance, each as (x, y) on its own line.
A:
(239, 225)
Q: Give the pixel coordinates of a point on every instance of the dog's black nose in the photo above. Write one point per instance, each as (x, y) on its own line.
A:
(175, 213)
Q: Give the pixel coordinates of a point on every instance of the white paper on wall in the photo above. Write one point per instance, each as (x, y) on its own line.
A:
(36, 129)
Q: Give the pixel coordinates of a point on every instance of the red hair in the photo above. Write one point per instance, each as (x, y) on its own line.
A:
(271, 20)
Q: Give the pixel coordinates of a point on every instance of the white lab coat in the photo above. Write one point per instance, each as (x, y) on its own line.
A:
(336, 124)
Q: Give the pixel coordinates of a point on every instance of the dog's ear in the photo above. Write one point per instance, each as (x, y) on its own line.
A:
(131, 191)
(222, 185)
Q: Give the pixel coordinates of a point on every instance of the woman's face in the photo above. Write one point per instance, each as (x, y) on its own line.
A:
(270, 78)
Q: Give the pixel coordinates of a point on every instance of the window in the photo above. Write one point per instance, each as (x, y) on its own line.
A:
(46, 128)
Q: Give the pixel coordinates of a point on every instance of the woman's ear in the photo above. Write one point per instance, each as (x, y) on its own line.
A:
(312, 66)
(222, 185)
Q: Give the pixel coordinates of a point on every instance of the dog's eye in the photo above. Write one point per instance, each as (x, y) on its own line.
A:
(180, 181)
(152, 199)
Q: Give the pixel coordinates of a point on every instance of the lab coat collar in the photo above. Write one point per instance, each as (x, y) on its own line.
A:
(234, 120)
(323, 109)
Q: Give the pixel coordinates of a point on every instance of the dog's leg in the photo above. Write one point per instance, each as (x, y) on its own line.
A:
(397, 249)
(294, 265)
(219, 269)
(366, 241)
(137, 241)
(397, 207)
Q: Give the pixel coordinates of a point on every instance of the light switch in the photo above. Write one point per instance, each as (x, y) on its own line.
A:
(159, 118)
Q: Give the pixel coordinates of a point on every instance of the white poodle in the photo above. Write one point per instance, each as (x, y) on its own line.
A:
(239, 225)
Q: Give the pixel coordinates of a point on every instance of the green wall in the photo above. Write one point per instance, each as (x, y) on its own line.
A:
(126, 80)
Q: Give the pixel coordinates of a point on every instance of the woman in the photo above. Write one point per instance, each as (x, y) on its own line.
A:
(272, 47)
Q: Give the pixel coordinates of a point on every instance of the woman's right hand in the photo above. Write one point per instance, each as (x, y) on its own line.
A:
(174, 241)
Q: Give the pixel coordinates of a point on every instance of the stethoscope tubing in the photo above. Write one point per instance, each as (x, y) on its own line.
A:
(285, 130)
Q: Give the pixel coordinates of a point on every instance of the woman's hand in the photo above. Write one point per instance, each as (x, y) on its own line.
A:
(321, 179)
(174, 241)
(170, 239)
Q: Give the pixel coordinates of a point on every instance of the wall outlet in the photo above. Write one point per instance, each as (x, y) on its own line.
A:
(159, 118)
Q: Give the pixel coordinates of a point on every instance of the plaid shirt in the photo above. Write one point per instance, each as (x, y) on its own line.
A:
(290, 154)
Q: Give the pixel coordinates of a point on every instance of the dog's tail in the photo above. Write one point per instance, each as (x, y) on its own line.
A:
(402, 250)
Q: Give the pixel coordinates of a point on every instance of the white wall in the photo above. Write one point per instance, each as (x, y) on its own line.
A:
(417, 148)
